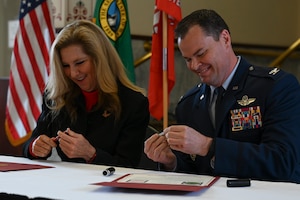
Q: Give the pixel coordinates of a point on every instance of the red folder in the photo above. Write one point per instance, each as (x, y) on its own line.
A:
(11, 166)
(183, 186)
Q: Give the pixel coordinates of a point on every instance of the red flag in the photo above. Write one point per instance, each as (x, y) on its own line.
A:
(29, 69)
(155, 91)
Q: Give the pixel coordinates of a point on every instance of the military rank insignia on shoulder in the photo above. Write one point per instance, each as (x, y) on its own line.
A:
(264, 71)
(274, 71)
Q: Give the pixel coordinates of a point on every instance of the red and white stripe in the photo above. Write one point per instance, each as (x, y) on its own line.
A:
(29, 71)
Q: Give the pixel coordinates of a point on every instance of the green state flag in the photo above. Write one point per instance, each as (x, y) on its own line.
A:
(112, 17)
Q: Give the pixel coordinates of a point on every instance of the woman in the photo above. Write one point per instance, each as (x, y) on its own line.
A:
(91, 111)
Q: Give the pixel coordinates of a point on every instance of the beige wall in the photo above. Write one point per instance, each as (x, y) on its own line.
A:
(258, 22)
(8, 11)
(255, 22)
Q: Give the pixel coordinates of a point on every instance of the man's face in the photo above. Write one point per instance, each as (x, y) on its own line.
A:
(208, 58)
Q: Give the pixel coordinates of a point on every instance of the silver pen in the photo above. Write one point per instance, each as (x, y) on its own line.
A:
(161, 133)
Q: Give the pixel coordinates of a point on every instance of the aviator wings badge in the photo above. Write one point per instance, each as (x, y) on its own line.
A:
(245, 101)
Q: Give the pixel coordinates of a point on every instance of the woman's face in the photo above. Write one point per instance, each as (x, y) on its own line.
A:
(79, 67)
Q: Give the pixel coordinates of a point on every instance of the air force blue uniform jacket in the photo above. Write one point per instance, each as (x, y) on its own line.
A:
(257, 132)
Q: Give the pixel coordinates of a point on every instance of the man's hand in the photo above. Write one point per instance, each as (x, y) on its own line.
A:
(187, 140)
(157, 148)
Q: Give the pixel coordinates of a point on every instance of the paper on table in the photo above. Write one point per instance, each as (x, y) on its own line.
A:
(162, 181)
(11, 166)
(173, 179)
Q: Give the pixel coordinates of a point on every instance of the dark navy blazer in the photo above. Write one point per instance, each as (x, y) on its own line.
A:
(118, 143)
(257, 131)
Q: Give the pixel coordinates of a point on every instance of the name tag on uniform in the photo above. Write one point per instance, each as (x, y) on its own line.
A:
(246, 118)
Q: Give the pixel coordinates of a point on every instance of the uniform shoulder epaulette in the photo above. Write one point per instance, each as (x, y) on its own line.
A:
(271, 72)
(190, 92)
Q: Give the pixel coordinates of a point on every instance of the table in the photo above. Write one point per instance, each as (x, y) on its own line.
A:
(72, 181)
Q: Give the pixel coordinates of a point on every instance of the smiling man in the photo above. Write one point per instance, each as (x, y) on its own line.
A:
(241, 121)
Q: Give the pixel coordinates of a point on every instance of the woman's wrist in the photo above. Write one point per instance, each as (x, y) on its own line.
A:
(92, 157)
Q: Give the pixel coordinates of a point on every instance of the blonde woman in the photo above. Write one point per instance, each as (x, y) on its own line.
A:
(91, 111)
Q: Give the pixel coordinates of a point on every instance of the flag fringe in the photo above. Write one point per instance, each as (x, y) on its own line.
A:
(15, 142)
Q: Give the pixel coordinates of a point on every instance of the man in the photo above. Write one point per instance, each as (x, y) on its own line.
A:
(254, 131)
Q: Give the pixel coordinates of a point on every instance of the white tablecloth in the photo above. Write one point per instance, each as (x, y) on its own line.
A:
(72, 181)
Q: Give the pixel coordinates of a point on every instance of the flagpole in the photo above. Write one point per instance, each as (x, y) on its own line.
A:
(165, 69)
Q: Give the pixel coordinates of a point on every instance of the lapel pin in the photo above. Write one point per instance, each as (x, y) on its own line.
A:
(105, 114)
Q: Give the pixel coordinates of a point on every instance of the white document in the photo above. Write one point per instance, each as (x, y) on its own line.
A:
(171, 179)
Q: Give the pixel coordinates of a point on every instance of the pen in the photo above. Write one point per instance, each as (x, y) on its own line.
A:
(238, 183)
(161, 134)
(56, 139)
(109, 171)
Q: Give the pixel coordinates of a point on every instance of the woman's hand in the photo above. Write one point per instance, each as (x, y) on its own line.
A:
(75, 145)
(42, 146)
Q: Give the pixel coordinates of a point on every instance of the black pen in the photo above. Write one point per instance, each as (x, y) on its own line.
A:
(109, 171)
(238, 183)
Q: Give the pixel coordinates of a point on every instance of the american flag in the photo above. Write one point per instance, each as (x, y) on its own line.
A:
(29, 69)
